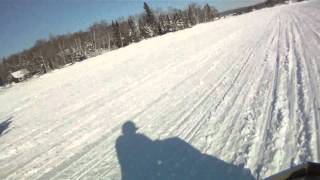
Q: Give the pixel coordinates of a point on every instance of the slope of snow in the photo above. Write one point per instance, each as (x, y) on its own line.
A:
(245, 90)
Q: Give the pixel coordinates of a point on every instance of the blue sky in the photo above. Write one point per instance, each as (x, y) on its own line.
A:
(25, 21)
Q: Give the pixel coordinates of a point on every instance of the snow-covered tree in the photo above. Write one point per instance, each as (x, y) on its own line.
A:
(151, 22)
(117, 34)
(133, 31)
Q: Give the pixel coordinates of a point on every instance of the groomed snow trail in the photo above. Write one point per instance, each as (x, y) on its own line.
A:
(244, 89)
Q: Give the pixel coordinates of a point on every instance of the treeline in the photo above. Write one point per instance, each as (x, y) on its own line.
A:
(58, 51)
(246, 9)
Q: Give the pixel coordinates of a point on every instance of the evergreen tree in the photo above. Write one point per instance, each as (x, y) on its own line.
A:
(143, 34)
(161, 25)
(191, 16)
(149, 14)
(133, 31)
(178, 22)
(151, 23)
(209, 12)
(169, 24)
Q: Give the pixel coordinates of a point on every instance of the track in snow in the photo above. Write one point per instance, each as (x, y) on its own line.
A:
(244, 89)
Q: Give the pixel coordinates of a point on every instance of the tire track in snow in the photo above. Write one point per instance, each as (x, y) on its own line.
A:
(208, 112)
(206, 99)
(203, 98)
(313, 77)
(244, 149)
(243, 88)
(304, 134)
(267, 135)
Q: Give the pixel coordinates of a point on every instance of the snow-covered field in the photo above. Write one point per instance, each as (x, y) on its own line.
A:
(245, 90)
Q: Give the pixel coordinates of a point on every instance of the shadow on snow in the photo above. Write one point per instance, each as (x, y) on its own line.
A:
(5, 125)
(169, 159)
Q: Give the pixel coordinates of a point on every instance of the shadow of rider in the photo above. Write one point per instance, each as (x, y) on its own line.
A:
(170, 159)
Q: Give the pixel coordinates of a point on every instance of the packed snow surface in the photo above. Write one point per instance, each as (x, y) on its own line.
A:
(244, 90)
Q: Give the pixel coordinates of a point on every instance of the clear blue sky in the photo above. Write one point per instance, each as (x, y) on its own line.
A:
(22, 22)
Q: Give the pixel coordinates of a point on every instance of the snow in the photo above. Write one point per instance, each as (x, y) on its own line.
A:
(244, 90)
